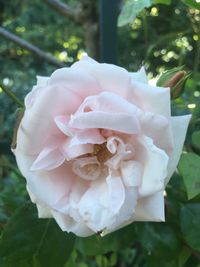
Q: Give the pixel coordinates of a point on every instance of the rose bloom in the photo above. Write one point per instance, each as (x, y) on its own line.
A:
(97, 146)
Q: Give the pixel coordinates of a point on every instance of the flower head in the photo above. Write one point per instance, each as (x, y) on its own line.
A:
(97, 146)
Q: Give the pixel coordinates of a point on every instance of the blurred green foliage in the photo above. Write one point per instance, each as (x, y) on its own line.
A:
(164, 35)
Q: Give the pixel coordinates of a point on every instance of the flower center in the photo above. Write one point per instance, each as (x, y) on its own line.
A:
(101, 152)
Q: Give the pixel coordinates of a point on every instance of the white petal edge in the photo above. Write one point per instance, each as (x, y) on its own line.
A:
(155, 167)
(68, 224)
(43, 212)
(179, 129)
(139, 76)
(150, 208)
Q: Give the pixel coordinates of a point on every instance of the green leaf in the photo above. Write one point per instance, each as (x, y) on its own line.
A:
(33, 242)
(131, 9)
(165, 2)
(110, 243)
(190, 226)
(192, 4)
(101, 260)
(196, 139)
(157, 239)
(189, 167)
(183, 256)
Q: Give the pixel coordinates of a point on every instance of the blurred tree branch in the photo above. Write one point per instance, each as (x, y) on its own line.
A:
(62, 8)
(85, 15)
(11, 95)
(30, 47)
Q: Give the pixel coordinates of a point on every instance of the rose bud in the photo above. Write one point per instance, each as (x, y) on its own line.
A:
(175, 79)
(97, 146)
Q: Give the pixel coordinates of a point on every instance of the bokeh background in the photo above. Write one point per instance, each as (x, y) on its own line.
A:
(164, 35)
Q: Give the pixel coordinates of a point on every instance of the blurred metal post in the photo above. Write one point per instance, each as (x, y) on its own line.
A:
(108, 30)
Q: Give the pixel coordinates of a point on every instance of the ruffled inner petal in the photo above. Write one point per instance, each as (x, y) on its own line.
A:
(87, 136)
(71, 152)
(87, 168)
(101, 202)
(108, 102)
(126, 212)
(48, 159)
(62, 124)
(114, 121)
(131, 172)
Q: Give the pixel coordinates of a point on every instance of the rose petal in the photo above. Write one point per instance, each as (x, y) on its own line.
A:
(114, 79)
(122, 152)
(150, 208)
(48, 159)
(108, 102)
(71, 152)
(154, 162)
(79, 81)
(94, 206)
(87, 136)
(116, 192)
(126, 213)
(131, 173)
(62, 124)
(42, 118)
(87, 168)
(151, 98)
(114, 121)
(107, 198)
(54, 187)
(68, 224)
(43, 212)
(179, 129)
(159, 129)
(139, 76)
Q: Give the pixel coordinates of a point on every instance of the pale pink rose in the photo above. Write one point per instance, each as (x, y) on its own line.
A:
(97, 146)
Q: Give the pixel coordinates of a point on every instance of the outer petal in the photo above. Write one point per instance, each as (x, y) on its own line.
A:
(43, 212)
(158, 128)
(151, 98)
(68, 224)
(179, 129)
(52, 188)
(150, 208)
(94, 206)
(38, 122)
(77, 80)
(126, 213)
(139, 76)
(107, 198)
(155, 163)
(110, 77)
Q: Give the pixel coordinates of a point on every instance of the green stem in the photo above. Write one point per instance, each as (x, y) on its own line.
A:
(12, 96)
